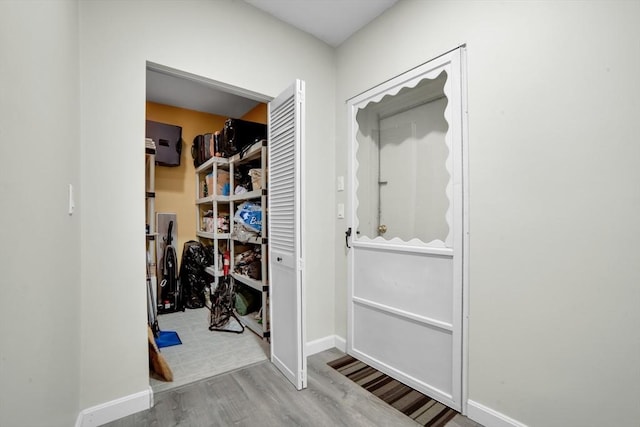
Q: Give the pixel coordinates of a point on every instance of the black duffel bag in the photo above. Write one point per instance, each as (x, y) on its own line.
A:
(239, 135)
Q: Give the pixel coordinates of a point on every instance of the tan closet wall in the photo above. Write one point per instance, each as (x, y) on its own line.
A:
(174, 185)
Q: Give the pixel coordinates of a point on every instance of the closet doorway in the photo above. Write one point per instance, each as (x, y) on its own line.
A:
(172, 97)
(408, 228)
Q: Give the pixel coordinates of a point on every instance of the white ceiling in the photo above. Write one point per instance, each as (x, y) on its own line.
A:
(332, 21)
(178, 91)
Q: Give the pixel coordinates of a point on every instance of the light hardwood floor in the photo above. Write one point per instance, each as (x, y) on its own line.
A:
(258, 395)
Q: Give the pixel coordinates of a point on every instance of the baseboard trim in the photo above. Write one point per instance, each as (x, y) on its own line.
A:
(326, 343)
(322, 344)
(489, 417)
(115, 409)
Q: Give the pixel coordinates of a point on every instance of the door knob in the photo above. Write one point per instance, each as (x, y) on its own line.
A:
(382, 229)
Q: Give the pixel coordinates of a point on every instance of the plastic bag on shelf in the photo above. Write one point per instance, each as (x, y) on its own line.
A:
(248, 256)
(243, 234)
(193, 279)
(223, 224)
(249, 214)
(248, 263)
(240, 190)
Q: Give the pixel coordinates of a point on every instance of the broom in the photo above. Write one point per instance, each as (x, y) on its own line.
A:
(157, 362)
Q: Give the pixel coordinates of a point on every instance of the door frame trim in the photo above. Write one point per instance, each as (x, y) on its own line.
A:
(386, 86)
(465, 227)
(267, 99)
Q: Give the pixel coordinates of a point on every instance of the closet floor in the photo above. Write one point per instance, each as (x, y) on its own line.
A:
(204, 353)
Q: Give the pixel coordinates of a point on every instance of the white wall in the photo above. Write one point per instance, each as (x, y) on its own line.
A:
(227, 41)
(40, 242)
(553, 94)
(553, 104)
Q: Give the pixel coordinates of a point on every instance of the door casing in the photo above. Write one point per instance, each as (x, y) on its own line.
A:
(300, 355)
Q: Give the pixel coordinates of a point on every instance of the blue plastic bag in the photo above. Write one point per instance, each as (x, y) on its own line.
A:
(249, 214)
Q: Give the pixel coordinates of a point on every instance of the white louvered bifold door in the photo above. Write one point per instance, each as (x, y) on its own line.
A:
(286, 133)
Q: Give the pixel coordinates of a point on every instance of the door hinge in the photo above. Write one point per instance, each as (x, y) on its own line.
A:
(300, 96)
(300, 264)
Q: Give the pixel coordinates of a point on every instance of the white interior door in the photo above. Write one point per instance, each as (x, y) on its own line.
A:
(405, 261)
(286, 134)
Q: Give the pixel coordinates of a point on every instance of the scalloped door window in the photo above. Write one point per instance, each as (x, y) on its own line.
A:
(403, 173)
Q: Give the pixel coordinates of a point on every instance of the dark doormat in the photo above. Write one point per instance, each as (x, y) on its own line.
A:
(422, 409)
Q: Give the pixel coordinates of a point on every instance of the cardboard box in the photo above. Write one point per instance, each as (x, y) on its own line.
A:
(256, 178)
(223, 183)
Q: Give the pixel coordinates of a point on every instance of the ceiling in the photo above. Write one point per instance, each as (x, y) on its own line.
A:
(332, 21)
(165, 87)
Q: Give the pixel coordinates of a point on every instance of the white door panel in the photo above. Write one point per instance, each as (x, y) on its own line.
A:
(282, 259)
(417, 283)
(286, 135)
(420, 354)
(283, 324)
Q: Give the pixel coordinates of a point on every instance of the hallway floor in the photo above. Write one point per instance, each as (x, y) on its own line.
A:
(259, 395)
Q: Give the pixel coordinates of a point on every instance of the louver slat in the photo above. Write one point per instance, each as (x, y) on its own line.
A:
(282, 178)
